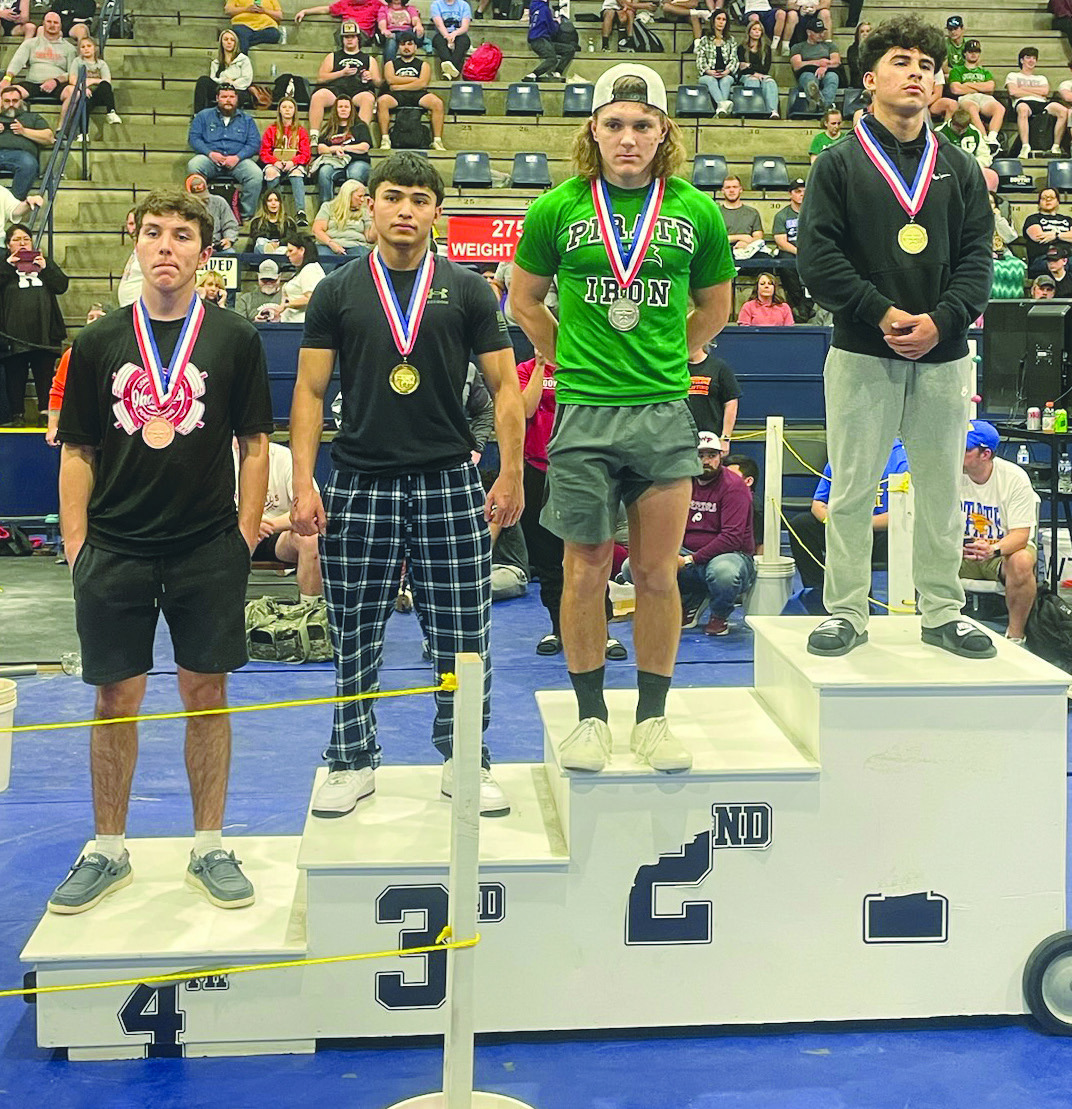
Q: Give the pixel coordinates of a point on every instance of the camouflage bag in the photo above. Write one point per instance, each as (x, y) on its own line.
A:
(288, 631)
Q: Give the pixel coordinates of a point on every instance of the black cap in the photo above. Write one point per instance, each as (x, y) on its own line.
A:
(953, 22)
(973, 46)
(815, 23)
(1056, 252)
(796, 183)
(226, 86)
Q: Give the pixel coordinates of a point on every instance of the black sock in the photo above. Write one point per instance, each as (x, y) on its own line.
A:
(653, 689)
(606, 41)
(589, 689)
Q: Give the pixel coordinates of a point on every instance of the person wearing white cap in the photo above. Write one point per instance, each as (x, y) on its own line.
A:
(629, 243)
(267, 292)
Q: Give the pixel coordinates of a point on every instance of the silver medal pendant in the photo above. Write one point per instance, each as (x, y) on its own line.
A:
(623, 314)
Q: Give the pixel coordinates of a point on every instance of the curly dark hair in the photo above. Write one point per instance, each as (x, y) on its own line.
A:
(906, 32)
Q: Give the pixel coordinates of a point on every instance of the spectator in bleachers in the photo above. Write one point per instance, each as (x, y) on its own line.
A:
(129, 288)
(618, 13)
(714, 393)
(22, 135)
(753, 66)
(852, 56)
(362, 12)
(941, 106)
(815, 63)
(1042, 228)
(973, 85)
(749, 470)
(451, 39)
(553, 39)
(12, 209)
(779, 23)
(954, 43)
(765, 307)
(1061, 10)
(1043, 288)
(1064, 89)
(271, 225)
(716, 62)
(393, 18)
(255, 22)
(267, 292)
(285, 155)
(232, 65)
(15, 19)
(224, 224)
(959, 131)
(743, 223)
(350, 72)
(1009, 271)
(226, 141)
(75, 16)
(1029, 92)
(1002, 223)
(302, 255)
(1057, 267)
(47, 60)
(343, 149)
(343, 226)
(407, 79)
(31, 319)
(830, 134)
(210, 287)
(695, 11)
(98, 81)
(786, 221)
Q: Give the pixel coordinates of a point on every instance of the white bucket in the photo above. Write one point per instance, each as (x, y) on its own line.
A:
(774, 583)
(8, 700)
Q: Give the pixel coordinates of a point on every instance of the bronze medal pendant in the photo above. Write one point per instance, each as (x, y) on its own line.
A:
(157, 433)
(404, 379)
(623, 314)
(912, 238)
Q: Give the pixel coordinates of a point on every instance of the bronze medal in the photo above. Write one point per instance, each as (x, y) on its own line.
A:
(404, 379)
(157, 433)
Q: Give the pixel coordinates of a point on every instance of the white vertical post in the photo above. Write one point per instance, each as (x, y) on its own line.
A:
(900, 497)
(772, 485)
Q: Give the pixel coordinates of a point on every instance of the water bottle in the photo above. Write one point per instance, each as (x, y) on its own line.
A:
(71, 663)
(591, 45)
(1023, 455)
(1064, 474)
(274, 69)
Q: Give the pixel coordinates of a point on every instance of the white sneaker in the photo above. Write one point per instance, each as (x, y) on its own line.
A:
(450, 70)
(342, 790)
(493, 801)
(114, 117)
(725, 108)
(437, 144)
(1025, 151)
(588, 746)
(653, 742)
(1055, 149)
(385, 143)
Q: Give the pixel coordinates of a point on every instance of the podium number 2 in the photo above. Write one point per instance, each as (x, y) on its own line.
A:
(644, 924)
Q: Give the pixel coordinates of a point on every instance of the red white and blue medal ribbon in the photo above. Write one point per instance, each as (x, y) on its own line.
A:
(625, 264)
(910, 198)
(165, 378)
(404, 326)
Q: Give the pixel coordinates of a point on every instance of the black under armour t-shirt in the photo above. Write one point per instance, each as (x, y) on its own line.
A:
(149, 502)
(383, 432)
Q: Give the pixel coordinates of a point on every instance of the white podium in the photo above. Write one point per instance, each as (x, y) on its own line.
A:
(876, 836)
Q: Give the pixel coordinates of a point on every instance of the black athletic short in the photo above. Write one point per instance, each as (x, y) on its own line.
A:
(201, 593)
(264, 551)
(409, 98)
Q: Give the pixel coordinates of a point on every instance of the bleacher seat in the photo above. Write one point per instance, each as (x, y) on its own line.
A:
(1011, 176)
(523, 99)
(531, 171)
(708, 172)
(799, 108)
(748, 103)
(1059, 173)
(472, 170)
(577, 99)
(769, 172)
(467, 99)
(693, 102)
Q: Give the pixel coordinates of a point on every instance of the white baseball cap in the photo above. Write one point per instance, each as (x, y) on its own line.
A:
(268, 270)
(653, 92)
(709, 442)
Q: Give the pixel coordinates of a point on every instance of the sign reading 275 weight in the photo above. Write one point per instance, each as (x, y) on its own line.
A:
(483, 238)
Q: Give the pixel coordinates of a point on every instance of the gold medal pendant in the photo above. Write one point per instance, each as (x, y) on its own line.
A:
(912, 238)
(404, 379)
(157, 433)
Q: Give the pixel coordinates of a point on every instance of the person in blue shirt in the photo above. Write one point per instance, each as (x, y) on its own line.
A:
(226, 141)
(807, 530)
(552, 39)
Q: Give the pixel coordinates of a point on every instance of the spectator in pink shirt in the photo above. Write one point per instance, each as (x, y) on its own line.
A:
(393, 18)
(765, 307)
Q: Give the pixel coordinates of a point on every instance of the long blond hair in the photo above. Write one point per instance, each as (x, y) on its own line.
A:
(340, 210)
(670, 157)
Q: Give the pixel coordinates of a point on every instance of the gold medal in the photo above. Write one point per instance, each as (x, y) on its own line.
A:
(912, 238)
(157, 433)
(404, 379)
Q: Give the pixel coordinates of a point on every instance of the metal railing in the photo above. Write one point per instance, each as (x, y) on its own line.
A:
(112, 18)
(75, 126)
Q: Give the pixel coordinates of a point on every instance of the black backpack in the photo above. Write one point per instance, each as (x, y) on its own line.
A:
(1049, 629)
(14, 541)
(290, 84)
(645, 40)
(409, 131)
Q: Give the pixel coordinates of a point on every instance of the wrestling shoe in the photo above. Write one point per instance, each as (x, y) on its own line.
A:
(835, 636)
(218, 875)
(959, 637)
(587, 747)
(341, 791)
(653, 742)
(493, 801)
(92, 878)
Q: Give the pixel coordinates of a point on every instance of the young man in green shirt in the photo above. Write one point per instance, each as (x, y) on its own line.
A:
(629, 243)
(954, 42)
(973, 86)
(959, 131)
(829, 135)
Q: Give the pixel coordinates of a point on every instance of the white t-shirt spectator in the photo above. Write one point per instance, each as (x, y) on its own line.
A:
(129, 287)
(1029, 81)
(304, 281)
(1002, 504)
(8, 203)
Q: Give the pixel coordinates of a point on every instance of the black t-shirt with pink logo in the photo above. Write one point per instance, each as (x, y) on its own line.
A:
(149, 501)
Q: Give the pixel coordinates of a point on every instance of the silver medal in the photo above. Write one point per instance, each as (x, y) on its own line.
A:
(623, 314)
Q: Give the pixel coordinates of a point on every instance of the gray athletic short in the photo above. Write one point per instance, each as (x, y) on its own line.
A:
(601, 457)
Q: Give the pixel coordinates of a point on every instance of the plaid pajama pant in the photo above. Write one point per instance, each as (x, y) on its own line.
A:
(435, 521)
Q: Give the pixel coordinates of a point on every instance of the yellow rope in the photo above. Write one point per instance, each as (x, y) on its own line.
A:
(448, 684)
(246, 968)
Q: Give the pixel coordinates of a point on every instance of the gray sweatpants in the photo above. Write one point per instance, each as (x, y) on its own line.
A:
(869, 401)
